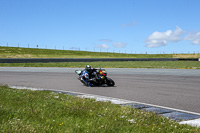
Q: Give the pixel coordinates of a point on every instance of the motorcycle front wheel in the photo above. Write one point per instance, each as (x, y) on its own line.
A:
(110, 82)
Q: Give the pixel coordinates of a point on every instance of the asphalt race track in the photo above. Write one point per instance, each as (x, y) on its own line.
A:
(174, 88)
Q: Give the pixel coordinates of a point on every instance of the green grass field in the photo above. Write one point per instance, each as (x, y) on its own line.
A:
(14, 52)
(45, 111)
(125, 64)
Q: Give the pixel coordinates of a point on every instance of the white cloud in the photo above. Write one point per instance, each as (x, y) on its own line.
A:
(194, 37)
(105, 40)
(158, 39)
(119, 44)
(128, 25)
(75, 48)
(102, 46)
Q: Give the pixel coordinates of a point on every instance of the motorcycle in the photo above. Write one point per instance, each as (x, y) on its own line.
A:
(99, 78)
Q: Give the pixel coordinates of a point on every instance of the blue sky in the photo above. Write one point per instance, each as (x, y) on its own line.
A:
(131, 26)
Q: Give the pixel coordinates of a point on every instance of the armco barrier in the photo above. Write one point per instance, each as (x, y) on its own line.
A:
(47, 60)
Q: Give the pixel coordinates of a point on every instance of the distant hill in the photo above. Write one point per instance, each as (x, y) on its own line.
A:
(15, 52)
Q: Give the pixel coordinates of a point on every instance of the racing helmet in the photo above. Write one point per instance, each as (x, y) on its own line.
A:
(88, 68)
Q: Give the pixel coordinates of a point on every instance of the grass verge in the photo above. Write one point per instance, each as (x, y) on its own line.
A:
(120, 64)
(45, 111)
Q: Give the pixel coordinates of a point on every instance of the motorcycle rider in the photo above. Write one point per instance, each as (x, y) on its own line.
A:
(92, 74)
(94, 77)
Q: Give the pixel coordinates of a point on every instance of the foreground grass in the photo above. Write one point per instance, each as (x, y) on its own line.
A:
(120, 64)
(45, 111)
